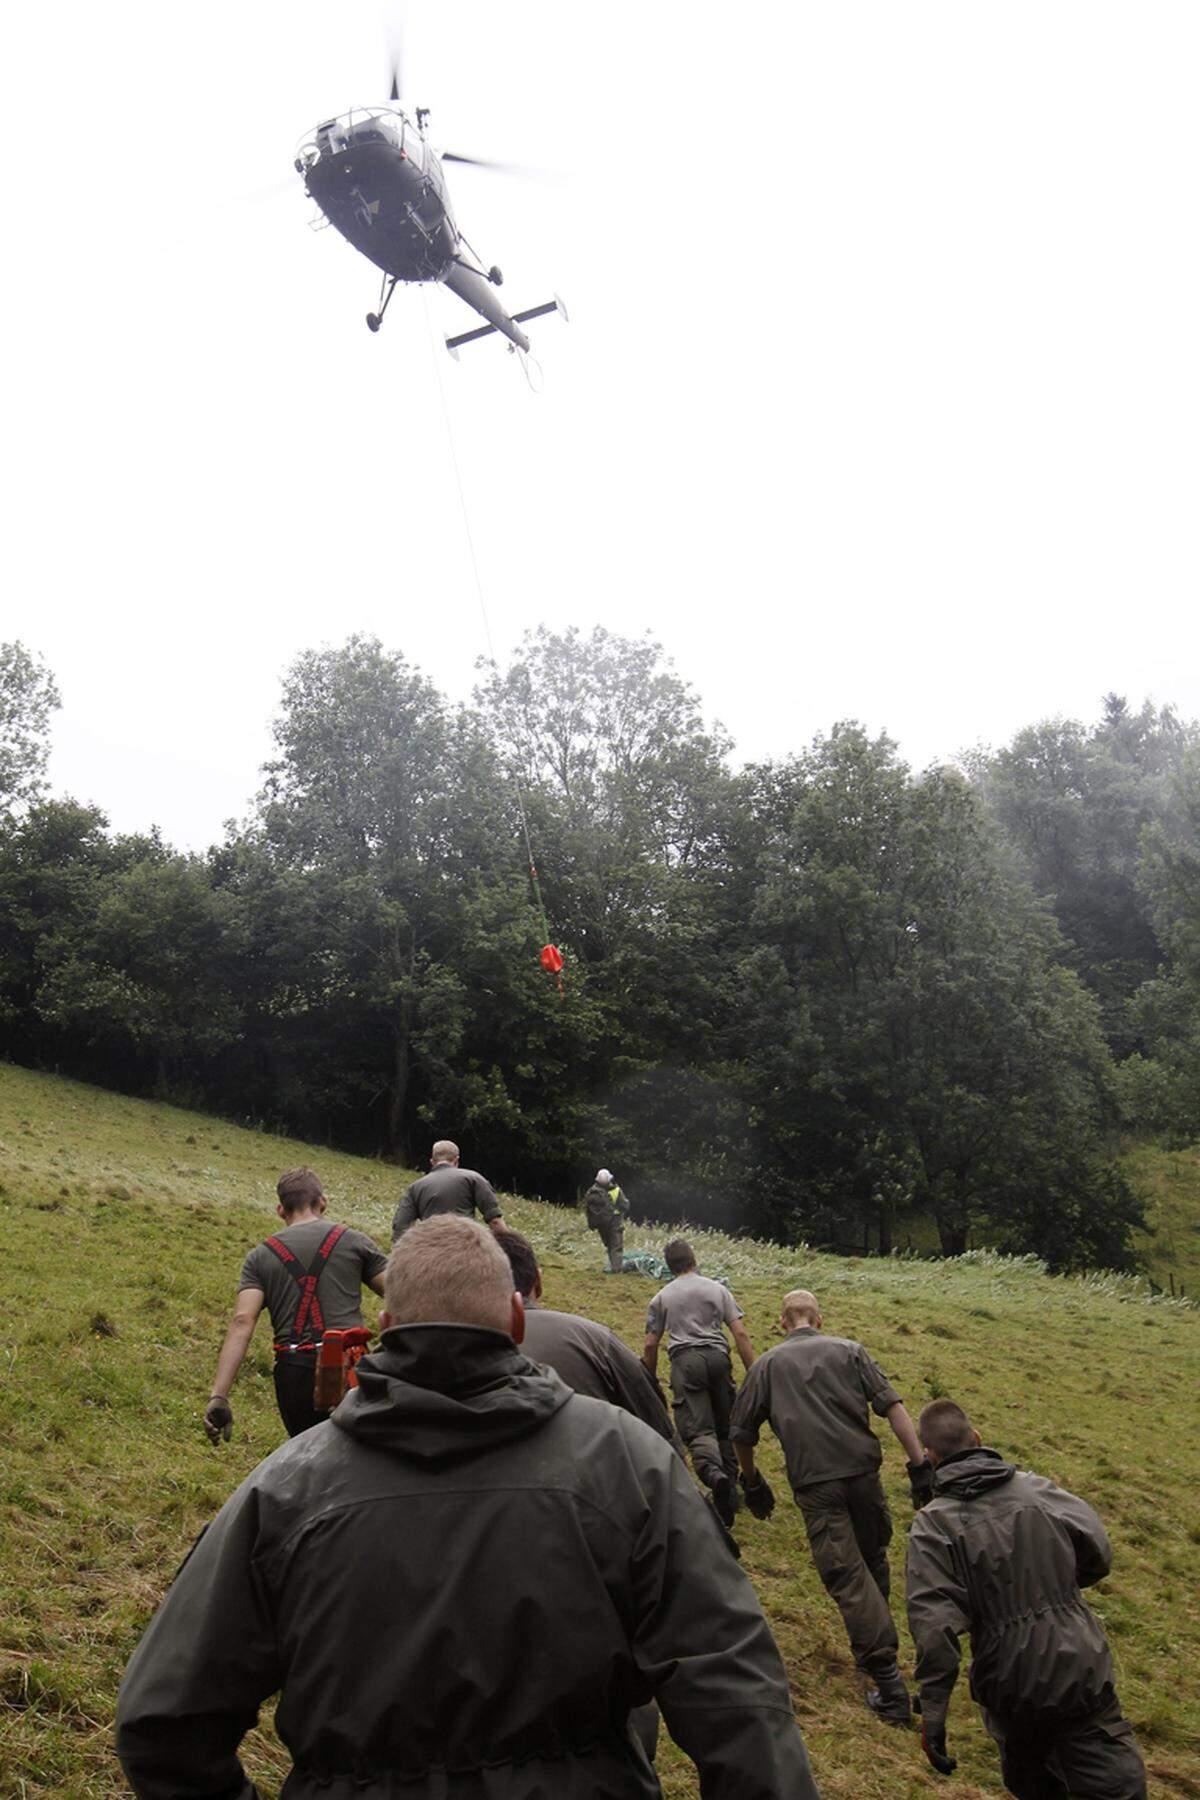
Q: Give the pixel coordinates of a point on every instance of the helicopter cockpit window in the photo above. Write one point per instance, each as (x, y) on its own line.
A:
(373, 128)
(414, 149)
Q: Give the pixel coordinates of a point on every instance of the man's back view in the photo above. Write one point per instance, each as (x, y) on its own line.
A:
(447, 1189)
(462, 1585)
(1003, 1553)
(692, 1312)
(817, 1392)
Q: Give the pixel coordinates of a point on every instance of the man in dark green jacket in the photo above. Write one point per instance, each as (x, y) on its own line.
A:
(1003, 1554)
(607, 1208)
(460, 1587)
(447, 1189)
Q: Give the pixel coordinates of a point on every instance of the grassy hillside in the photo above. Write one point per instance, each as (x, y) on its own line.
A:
(124, 1224)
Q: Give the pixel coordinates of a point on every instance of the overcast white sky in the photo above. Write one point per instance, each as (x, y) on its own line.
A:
(879, 397)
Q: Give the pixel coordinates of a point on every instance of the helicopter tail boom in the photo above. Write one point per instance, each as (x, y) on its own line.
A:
(479, 293)
(482, 331)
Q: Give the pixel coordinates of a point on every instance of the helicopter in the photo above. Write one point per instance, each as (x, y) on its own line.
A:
(378, 180)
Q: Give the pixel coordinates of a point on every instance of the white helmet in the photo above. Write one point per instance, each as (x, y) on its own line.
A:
(604, 1177)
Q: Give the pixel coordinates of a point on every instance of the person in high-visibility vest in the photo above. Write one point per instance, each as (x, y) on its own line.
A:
(607, 1209)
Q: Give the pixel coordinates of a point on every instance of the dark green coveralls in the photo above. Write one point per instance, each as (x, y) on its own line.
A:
(1002, 1553)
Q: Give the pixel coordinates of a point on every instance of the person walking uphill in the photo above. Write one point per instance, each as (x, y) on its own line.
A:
(310, 1276)
(815, 1391)
(1002, 1553)
(447, 1189)
(589, 1357)
(607, 1209)
(459, 1587)
(693, 1312)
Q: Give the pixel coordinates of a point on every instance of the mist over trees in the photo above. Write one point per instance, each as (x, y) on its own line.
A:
(821, 997)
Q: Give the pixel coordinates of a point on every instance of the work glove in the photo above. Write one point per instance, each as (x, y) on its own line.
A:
(218, 1420)
(760, 1501)
(933, 1743)
(920, 1482)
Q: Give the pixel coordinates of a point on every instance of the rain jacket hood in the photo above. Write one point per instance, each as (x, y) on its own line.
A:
(969, 1473)
(439, 1393)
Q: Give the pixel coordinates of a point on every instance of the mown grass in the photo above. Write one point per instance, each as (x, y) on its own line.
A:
(123, 1226)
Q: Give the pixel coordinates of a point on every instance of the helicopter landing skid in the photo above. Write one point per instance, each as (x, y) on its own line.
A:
(387, 289)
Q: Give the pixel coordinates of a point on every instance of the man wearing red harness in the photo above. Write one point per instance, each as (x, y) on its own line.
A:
(309, 1276)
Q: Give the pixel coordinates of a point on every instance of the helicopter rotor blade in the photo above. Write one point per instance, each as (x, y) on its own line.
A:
(396, 60)
(521, 170)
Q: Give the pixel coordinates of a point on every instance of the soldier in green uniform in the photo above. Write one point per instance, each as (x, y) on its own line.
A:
(447, 1189)
(607, 1209)
(817, 1393)
(309, 1276)
(1003, 1553)
(692, 1312)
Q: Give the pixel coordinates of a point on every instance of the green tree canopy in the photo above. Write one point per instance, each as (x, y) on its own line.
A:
(28, 697)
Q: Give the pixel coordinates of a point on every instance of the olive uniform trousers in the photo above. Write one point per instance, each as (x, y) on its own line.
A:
(703, 1394)
(849, 1529)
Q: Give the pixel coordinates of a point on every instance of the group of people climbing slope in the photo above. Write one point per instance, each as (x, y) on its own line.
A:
(532, 1576)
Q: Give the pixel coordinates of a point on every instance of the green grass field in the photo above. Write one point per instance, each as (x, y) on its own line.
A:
(124, 1224)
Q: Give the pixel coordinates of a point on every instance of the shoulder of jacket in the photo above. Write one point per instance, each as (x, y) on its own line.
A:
(572, 1321)
(934, 1520)
(1040, 1490)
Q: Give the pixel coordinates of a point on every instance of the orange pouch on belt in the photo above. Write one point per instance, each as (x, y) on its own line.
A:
(337, 1358)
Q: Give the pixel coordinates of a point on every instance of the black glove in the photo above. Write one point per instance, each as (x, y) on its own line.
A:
(920, 1482)
(760, 1501)
(218, 1420)
(933, 1743)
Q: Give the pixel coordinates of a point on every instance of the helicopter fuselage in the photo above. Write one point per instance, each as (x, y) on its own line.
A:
(382, 186)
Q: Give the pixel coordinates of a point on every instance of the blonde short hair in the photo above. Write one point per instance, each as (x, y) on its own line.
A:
(800, 1304)
(449, 1271)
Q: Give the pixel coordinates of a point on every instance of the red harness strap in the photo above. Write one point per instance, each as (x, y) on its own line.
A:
(309, 1317)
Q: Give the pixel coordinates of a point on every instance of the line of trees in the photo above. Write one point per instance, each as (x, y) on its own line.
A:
(813, 998)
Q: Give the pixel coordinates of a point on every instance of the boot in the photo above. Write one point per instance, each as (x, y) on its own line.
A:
(888, 1699)
(725, 1499)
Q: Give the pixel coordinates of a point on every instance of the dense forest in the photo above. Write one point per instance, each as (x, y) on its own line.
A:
(810, 998)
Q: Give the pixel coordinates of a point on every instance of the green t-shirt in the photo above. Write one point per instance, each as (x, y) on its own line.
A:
(354, 1259)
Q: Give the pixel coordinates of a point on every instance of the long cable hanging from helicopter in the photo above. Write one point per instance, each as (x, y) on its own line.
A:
(551, 956)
